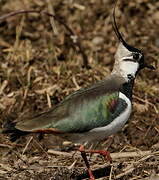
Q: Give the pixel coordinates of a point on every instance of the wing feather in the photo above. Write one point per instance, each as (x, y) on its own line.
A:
(71, 107)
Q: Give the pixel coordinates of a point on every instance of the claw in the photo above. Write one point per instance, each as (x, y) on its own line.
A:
(105, 154)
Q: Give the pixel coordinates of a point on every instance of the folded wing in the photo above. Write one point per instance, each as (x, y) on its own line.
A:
(81, 111)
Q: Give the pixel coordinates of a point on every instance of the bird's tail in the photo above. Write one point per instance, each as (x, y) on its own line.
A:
(10, 129)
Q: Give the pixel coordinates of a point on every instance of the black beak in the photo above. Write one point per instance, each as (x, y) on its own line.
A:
(149, 66)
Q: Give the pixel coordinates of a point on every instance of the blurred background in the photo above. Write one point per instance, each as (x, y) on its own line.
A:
(40, 65)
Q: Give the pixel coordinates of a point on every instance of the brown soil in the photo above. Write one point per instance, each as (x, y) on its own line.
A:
(38, 68)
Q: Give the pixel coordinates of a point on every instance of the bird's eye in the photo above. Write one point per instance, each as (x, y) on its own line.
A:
(136, 56)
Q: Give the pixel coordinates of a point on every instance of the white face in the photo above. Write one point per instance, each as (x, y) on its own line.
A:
(128, 67)
(127, 62)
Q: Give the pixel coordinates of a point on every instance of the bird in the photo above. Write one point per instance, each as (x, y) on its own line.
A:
(91, 114)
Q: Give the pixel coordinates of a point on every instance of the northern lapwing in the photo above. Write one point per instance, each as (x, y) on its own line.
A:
(94, 113)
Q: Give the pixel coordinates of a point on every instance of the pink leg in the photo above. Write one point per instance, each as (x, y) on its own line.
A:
(91, 177)
(83, 154)
(104, 153)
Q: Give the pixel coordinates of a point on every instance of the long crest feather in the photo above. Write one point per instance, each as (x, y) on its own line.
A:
(118, 34)
(120, 38)
(115, 27)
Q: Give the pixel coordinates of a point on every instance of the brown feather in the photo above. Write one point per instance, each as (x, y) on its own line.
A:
(48, 131)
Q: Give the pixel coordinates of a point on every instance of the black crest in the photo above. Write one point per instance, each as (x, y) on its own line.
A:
(118, 34)
(142, 63)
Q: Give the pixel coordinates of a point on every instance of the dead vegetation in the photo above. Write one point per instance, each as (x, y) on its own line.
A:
(40, 65)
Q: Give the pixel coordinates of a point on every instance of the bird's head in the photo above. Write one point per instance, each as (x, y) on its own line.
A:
(128, 59)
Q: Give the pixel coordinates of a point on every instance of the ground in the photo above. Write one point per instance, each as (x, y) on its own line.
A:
(40, 65)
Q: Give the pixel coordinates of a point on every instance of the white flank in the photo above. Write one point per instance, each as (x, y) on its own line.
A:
(116, 124)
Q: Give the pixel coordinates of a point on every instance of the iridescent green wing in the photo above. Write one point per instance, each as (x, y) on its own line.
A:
(96, 113)
(76, 107)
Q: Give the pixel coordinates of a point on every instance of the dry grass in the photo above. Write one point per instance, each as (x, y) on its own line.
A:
(39, 66)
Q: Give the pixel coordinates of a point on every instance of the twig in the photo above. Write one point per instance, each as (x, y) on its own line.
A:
(129, 169)
(5, 167)
(11, 145)
(5, 145)
(52, 22)
(72, 35)
(79, 6)
(27, 145)
(72, 165)
(20, 157)
(31, 69)
(3, 172)
(113, 155)
(41, 147)
(145, 101)
(25, 94)
(129, 154)
(125, 173)
(111, 170)
(48, 99)
(3, 86)
(75, 82)
(51, 151)
(60, 166)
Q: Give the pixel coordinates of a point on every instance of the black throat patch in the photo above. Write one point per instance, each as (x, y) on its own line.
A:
(127, 88)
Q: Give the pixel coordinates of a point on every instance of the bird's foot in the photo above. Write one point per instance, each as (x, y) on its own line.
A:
(104, 153)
